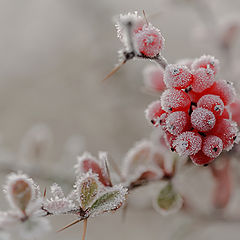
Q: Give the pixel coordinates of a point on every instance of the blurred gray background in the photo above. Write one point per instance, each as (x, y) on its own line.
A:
(53, 56)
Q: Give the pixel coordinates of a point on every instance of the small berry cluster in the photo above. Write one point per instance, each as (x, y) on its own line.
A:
(139, 37)
(194, 110)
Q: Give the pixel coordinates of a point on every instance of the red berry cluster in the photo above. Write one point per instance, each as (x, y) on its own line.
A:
(194, 111)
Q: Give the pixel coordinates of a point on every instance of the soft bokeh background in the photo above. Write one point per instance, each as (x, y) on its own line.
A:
(54, 54)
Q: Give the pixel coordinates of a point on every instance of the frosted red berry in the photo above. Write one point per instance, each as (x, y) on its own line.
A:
(187, 143)
(224, 90)
(177, 76)
(202, 119)
(212, 146)
(200, 159)
(226, 130)
(175, 100)
(177, 122)
(213, 103)
(203, 78)
(149, 41)
(206, 61)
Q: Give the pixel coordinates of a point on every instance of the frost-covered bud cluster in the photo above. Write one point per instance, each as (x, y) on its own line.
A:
(147, 161)
(195, 110)
(93, 193)
(92, 198)
(23, 219)
(138, 36)
(99, 166)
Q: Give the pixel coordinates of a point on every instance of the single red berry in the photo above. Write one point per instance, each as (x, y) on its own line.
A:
(177, 122)
(202, 119)
(187, 143)
(206, 61)
(175, 100)
(212, 146)
(213, 103)
(203, 78)
(224, 90)
(226, 130)
(200, 159)
(149, 41)
(177, 76)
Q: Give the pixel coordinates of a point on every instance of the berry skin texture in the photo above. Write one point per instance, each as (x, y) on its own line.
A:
(188, 143)
(153, 78)
(213, 103)
(177, 122)
(226, 130)
(177, 76)
(212, 146)
(173, 100)
(203, 78)
(206, 61)
(202, 119)
(149, 41)
(224, 90)
(200, 159)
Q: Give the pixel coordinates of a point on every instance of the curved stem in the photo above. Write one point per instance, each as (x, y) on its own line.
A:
(84, 229)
